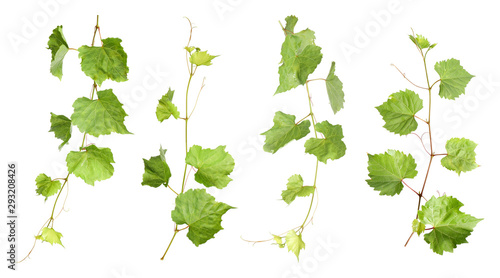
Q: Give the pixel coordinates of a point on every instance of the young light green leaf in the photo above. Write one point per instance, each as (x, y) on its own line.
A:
(334, 90)
(189, 48)
(201, 58)
(291, 20)
(92, 164)
(166, 108)
(61, 126)
(58, 47)
(451, 226)
(51, 236)
(108, 61)
(299, 58)
(283, 131)
(330, 147)
(46, 186)
(100, 116)
(214, 165)
(387, 170)
(454, 78)
(279, 241)
(156, 171)
(461, 156)
(421, 41)
(294, 243)
(201, 213)
(295, 188)
(417, 227)
(399, 112)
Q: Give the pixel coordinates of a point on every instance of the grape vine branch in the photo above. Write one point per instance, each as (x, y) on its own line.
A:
(95, 117)
(300, 57)
(448, 225)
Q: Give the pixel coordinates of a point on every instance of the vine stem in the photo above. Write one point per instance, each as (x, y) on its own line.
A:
(192, 71)
(428, 122)
(311, 114)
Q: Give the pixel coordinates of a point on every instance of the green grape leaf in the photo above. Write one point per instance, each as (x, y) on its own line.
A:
(294, 243)
(201, 58)
(201, 213)
(46, 186)
(454, 78)
(460, 155)
(417, 227)
(214, 165)
(99, 116)
(166, 108)
(451, 226)
(387, 171)
(279, 241)
(291, 21)
(189, 48)
(334, 90)
(92, 164)
(399, 112)
(108, 61)
(61, 126)
(299, 58)
(331, 147)
(283, 131)
(156, 170)
(295, 188)
(58, 47)
(421, 42)
(51, 236)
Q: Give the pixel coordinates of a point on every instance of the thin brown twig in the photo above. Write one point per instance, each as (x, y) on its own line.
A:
(197, 97)
(421, 141)
(404, 75)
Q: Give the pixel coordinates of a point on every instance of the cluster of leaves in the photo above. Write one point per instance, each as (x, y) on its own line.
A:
(93, 116)
(194, 208)
(441, 216)
(300, 57)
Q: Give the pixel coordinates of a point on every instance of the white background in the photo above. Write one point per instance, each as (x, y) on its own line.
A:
(120, 229)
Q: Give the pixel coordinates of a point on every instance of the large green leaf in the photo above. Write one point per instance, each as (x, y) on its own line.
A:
(451, 226)
(454, 78)
(156, 171)
(295, 188)
(201, 213)
(214, 165)
(399, 112)
(91, 164)
(294, 242)
(330, 147)
(58, 47)
(100, 116)
(387, 170)
(300, 57)
(108, 61)
(166, 108)
(284, 130)
(460, 155)
(61, 126)
(334, 90)
(46, 186)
